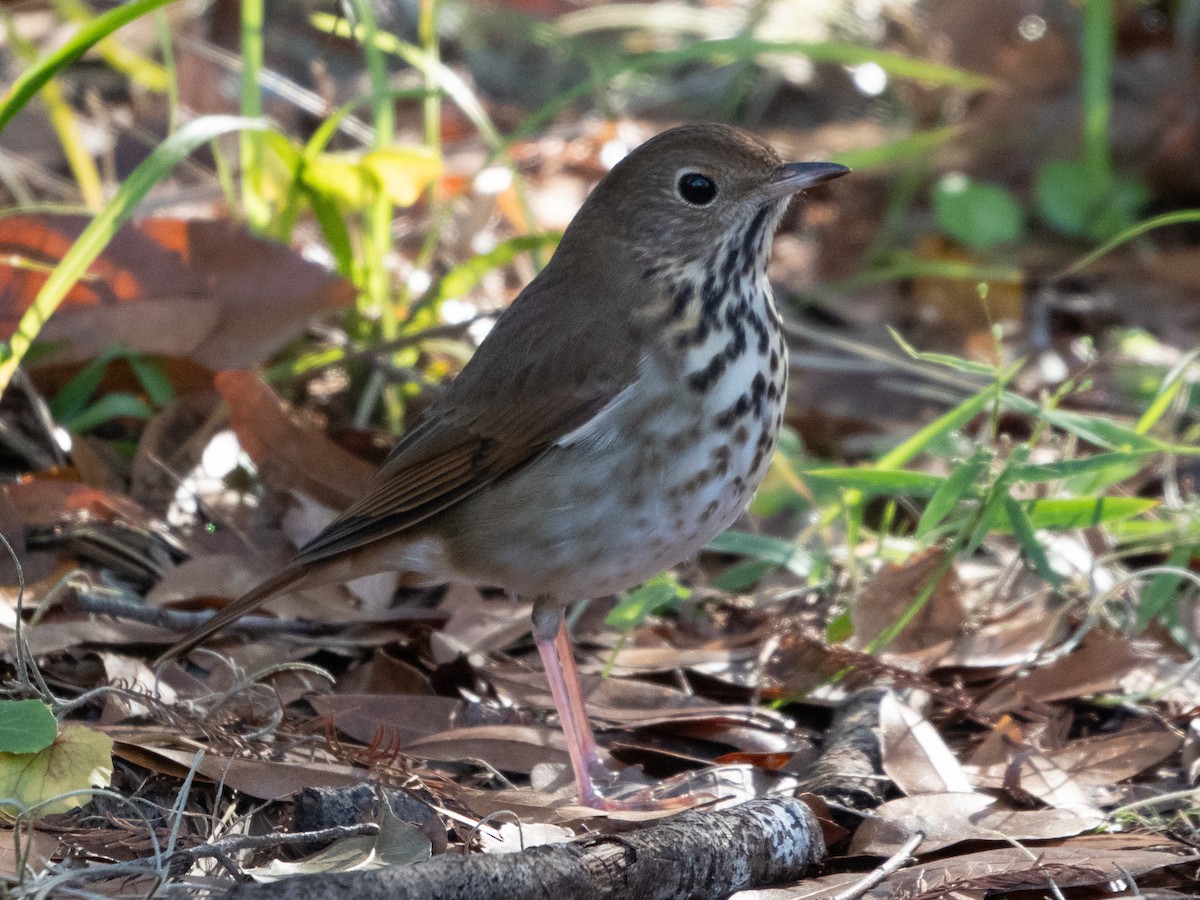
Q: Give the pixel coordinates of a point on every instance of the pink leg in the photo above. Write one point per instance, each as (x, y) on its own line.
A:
(591, 774)
(554, 645)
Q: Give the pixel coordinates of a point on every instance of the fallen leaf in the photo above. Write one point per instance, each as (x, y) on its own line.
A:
(290, 452)
(79, 758)
(509, 748)
(26, 726)
(208, 291)
(1096, 666)
(914, 754)
(888, 595)
(398, 843)
(947, 819)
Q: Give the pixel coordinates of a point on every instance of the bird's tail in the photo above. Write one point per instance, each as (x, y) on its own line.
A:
(290, 577)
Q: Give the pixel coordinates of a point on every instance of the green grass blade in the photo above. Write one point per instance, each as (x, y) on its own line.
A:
(913, 146)
(32, 80)
(1070, 468)
(953, 489)
(1172, 384)
(1182, 217)
(99, 232)
(1023, 531)
(895, 64)
(876, 481)
(459, 280)
(763, 548)
(1067, 513)
(956, 418)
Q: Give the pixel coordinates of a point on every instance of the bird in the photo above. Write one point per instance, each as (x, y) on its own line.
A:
(619, 414)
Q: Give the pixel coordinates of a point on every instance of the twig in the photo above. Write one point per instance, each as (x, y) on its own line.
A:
(185, 620)
(876, 876)
(181, 860)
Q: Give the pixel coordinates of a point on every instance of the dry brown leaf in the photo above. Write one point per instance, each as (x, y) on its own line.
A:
(290, 452)
(886, 597)
(914, 755)
(37, 849)
(947, 819)
(1084, 860)
(1042, 777)
(1108, 758)
(1096, 666)
(391, 718)
(208, 291)
(509, 748)
(265, 779)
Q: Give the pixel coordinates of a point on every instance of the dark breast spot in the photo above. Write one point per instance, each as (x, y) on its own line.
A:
(683, 297)
(701, 380)
(726, 419)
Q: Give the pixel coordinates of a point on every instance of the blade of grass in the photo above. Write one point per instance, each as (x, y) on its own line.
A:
(953, 489)
(33, 78)
(1096, 76)
(66, 129)
(1172, 384)
(99, 232)
(254, 204)
(1182, 217)
(141, 71)
(838, 52)
(913, 146)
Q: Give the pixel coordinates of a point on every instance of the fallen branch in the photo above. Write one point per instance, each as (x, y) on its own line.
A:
(699, 854)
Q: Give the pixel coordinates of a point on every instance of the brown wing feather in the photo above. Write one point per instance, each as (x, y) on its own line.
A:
(549, 365)
(545, 369)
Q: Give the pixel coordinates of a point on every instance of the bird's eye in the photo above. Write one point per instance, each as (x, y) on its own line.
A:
(697, 189)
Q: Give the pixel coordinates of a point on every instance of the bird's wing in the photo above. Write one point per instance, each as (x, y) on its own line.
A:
(545, 370)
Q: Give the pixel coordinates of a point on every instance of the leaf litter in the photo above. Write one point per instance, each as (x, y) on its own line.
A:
(1016, 722)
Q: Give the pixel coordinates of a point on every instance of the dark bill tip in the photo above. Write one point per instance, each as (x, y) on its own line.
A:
(792, 177)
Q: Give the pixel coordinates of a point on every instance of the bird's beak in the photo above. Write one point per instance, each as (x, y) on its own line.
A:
(789, 178)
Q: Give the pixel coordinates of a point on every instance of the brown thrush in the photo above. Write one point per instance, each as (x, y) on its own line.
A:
(618, 416)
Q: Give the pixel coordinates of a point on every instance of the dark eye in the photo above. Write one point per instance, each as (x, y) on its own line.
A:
(697, 189)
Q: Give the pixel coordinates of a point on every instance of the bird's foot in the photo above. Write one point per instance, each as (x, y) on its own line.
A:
(633, 792)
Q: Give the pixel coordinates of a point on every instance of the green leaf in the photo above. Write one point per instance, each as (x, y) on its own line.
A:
(79, 758)
(26, 726)
(152, 378)
(953, 489)
(1089, 465)
(888, 482)
(75, 395)
(840, 628)
(1067, 197)
(1164, 587)
(659, 593)
(742, 575)
(1066, 513)
(764, 547)
(1074, 201)
(116, 405)
(1023, 531)
(978, 213)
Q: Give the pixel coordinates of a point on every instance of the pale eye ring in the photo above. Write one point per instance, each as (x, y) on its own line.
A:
(696, 188)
